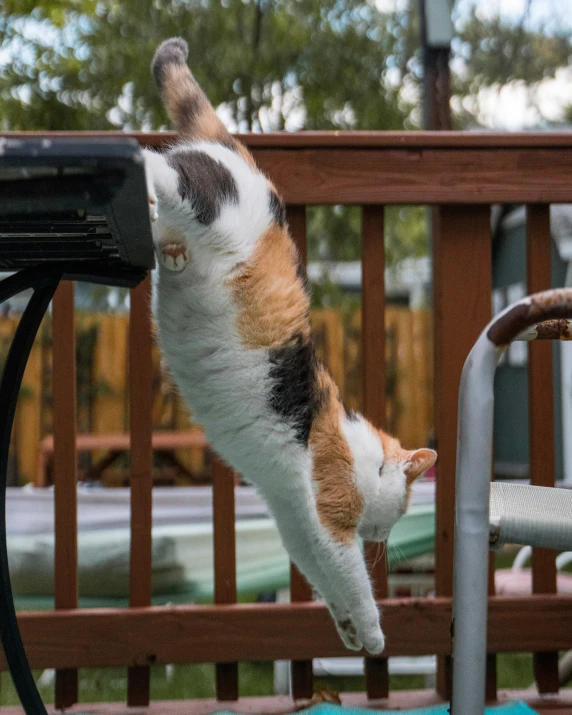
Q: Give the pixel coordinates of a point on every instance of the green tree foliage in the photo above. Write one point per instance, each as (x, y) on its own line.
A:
(491, 52)
(320, 64)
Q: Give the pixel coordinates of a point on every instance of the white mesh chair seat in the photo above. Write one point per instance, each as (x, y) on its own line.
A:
(537, 516)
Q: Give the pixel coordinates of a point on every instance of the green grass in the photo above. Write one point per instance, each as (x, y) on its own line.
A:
(197, 681)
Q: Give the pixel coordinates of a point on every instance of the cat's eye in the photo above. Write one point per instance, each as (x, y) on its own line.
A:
(380, 470)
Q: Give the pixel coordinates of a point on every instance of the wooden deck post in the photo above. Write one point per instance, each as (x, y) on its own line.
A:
(462, 287)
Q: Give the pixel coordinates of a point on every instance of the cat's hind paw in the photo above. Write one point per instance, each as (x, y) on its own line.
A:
(175, 257)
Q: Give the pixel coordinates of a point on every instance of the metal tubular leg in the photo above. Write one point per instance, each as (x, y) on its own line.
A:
(470, 581)
(44, 283)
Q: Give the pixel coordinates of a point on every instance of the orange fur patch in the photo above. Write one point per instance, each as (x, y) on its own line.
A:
(273, 303)
(392, 450)
(338, 501)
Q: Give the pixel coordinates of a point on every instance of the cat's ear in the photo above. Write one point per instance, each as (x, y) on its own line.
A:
(417, 462)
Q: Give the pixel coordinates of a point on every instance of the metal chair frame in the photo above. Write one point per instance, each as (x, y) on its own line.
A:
(543, 315)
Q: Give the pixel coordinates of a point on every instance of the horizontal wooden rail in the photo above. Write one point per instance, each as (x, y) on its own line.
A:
(244, 632)
(405, 167)
(416, 176)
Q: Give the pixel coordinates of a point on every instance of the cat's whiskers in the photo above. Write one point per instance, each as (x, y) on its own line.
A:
(398, 552)
(379, 554)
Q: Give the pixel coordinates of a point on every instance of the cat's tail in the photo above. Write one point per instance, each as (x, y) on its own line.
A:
(186, 103)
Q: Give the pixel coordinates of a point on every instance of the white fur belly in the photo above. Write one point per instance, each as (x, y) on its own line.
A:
(225, 385)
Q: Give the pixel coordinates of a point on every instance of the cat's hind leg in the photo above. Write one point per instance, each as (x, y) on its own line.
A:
(151, 198)
(160, 177)
(171, 246)
(174, 256)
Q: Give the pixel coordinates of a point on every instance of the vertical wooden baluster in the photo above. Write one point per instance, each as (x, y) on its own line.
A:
(300, 590)
(141, 425)
(224, 565)
(373, 391)
(65, 471)
(462, 287)
(541, 420)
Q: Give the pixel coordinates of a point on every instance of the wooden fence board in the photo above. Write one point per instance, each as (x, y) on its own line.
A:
(110, 371)
(28, 427)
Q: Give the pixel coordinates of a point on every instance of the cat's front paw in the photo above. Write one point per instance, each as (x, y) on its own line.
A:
(348, 634)
(369, 631)
(374, 641)
(175, 256)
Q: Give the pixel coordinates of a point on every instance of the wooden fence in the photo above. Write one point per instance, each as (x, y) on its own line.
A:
(461, 175)
(102, 382)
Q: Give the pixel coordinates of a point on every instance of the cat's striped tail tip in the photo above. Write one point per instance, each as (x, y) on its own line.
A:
(173, 51)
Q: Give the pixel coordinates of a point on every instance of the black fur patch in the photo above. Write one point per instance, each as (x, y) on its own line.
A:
(277, 209)
(295, 394)
(302, 274)
(188, 109)
(205, 182)
(171, 52)
(351, 415)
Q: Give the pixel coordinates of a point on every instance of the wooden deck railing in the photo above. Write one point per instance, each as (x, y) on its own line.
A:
(461, 175)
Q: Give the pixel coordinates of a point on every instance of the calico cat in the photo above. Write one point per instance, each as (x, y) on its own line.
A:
(233, 324)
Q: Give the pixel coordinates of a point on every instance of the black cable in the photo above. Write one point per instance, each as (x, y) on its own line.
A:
(44, 281)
